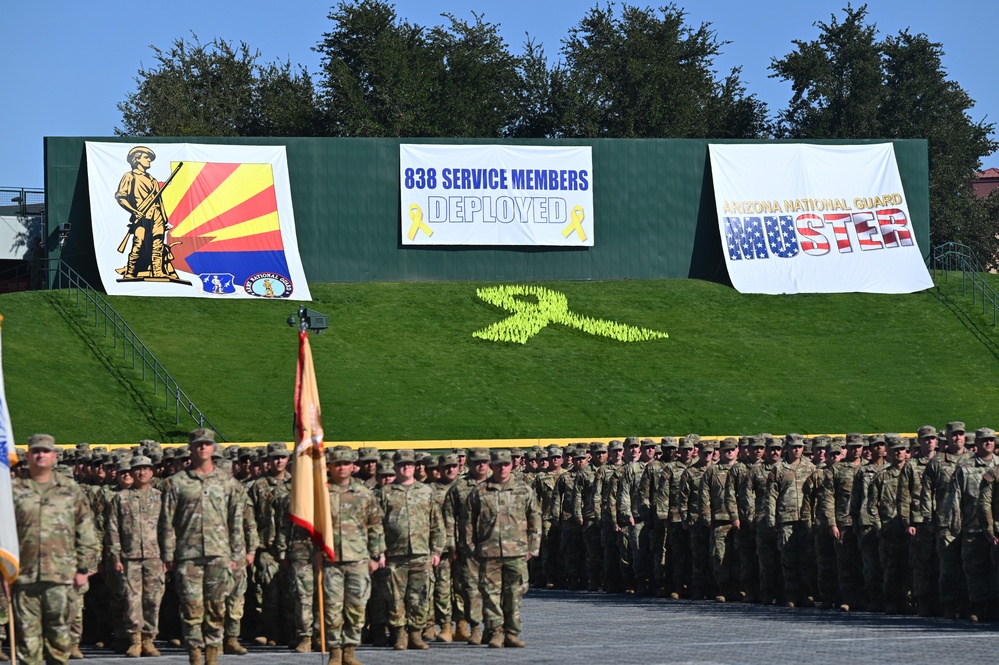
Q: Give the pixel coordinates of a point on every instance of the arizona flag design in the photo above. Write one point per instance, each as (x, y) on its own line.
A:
(198, 220)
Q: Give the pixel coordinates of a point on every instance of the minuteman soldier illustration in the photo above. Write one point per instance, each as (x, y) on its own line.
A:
(150, 258)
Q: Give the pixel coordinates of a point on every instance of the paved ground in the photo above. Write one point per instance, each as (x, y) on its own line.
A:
(593, 628)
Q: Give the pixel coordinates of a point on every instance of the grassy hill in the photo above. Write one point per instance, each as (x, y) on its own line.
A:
(400, 362)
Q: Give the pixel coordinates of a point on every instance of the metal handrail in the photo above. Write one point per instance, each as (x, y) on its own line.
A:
(953, 256)
(68, 279)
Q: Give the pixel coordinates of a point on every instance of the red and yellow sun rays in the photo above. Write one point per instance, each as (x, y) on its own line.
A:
(217, 207)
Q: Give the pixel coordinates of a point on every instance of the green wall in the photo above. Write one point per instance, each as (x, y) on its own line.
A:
(653, 204)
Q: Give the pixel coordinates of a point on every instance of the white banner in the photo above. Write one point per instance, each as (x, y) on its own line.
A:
(496, 195)
(10, 554)
(798, 218)
(180, 219)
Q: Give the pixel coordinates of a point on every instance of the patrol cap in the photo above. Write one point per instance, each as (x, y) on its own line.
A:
(83, 446)
(821, 441)
(99, 449)
(168, 453)
(460, 452)
(339, 456)
(898, 444)
(775, 443)
(693, 439)
(598, 447)
(124, 464)
(404, 457)
(141, 460)
(893, 438)
(199, 435)
(278, 449)
(385, 468)
(685, 444)
(876, 440)
(423, 457)
(854, 439)
(516, 452)
(182, 453)
(367, 454)
(756, 442)
(927, 431)
(501, 456)
(482, 455)
(580, 452)
(707, 445)
(42, 442)
(530, 455)
(669, 442)
(955, 426)
(554, 451)
(430, 462)
(794, 439)
(448, 459)
(615, 444)
(137, 150)
(728, 443)
(743, 441)
(985, 433)
(648, 443)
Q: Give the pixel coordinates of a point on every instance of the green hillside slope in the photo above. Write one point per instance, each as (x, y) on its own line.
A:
(400, 362)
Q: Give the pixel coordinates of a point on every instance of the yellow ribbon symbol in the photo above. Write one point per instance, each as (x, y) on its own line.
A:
(552, 307)
(418, 224)
(575, 225)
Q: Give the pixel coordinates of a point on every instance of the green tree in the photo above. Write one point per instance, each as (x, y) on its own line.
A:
(217, 89)
(647, 73)
(849, 84)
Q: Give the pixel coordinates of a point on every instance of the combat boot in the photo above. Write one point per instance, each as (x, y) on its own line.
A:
(336, 657)
(134, 649)
(379, 637)
(416, 640)
(461, 633)
(194, 656)
(348, 656)
(429, 633)
(399, 637)
(475, 638)
(4, 658)
(304, 646)
(513, 641)
(75, 653)
(148, 648)
(212, 654)
(496, 641)
(233, 647)
(445, 635)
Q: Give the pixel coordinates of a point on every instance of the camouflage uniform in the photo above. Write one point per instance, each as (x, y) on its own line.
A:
(740, 486)
(235, 601)
(784, 513)
(444, 573)
(932, 500)
(504, 528)
(414, 532)
(867, 535)
(133, 541)
(648, 489)
(889, 506)
(544, 487)
(295, 548)
(922, 552)
(466, 567)
(585, 511)
(630, 517)
(699, 531)
(56, 536)
(667, 507)
(358, 537)
(201, 531)
(963, 518)
(835, 505)
(274, 604)
(718, 510)
(570, 532)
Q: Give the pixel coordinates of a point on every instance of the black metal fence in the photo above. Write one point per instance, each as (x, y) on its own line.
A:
(956, 257)
(99, 310)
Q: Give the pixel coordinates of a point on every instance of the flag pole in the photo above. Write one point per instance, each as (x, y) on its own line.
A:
(322, 614)
(10, 621)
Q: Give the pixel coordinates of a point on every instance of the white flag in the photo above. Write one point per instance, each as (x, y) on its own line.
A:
(9, 549)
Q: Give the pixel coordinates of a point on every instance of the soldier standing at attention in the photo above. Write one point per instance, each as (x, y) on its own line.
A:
(922, 550)
(701, 578)
(863, 520)
(414, 540)
(58, 551)
(740, 485)
(201, 532)
(585, 511)
(359, 546)
(268, 495)
(504, 532)
(889, 506)
(784, 513)
(932, 501)
(719, 511)
(134, 553)
(443, 610)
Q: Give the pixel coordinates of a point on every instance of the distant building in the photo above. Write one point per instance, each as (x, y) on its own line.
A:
(985, 181)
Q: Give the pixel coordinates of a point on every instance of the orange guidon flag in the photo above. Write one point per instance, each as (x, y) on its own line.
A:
(310, 495)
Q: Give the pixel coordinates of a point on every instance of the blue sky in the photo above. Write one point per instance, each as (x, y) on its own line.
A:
(66, 65)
